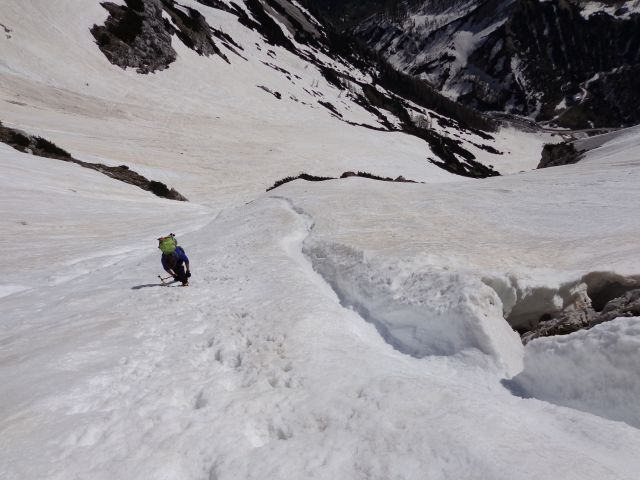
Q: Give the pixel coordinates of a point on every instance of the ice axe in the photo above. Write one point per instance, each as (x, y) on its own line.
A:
(164, 279)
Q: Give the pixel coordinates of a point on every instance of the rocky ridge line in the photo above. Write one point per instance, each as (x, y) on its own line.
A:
(41, 147)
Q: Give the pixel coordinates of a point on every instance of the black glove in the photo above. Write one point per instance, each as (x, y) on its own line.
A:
(188, 274)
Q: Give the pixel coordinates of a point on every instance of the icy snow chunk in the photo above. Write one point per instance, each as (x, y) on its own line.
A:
(596, 371)
(420, 313)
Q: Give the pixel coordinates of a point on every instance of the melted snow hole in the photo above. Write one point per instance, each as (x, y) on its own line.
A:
(525, 307)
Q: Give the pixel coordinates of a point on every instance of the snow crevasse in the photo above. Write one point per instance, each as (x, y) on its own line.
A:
(420, 313)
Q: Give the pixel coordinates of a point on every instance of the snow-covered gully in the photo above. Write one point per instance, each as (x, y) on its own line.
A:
(312, 260)
(258, 370)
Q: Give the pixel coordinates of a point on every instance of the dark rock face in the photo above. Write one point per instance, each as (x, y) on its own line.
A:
(193, 30)
(571, 321)
(556, 154)
(613, 99)
(529, 57)
(137, 35)
(558, 53)
(41, 147)
(627, 305)
(597, 298)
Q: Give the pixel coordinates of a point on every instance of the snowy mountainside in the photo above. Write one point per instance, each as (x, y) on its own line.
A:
(351, 328)
(543, 59)
(192, 108)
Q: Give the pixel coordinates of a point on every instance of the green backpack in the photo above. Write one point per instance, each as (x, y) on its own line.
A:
(168, 244)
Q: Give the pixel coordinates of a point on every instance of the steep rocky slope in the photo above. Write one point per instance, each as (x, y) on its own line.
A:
(572, 62)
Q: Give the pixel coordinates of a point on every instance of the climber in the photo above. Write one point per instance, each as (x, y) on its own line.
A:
(174, 259)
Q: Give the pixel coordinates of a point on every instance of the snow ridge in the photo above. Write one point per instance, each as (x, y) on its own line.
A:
(592, 370)
(417, 313)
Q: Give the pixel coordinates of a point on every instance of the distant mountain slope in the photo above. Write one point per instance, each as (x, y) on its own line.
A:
(266, 69)
(575, 63)
(139, 35)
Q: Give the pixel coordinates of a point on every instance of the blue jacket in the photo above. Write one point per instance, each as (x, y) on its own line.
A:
(178, 257)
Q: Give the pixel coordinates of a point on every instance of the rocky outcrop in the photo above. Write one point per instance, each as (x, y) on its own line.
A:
(314, 178)
(557, 154)
(41, 147)
(596, 299)
(564, 324)
(628, 305)
(138, 35)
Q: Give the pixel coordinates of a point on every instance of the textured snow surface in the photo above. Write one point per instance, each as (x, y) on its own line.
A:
(261, 368)
(347, 329)
(547, 224)
(595, 371)
(255, 370)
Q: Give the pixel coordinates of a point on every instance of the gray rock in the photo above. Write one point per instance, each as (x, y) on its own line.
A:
(556, 154)
(584, 316)
(627, 305)
(567, 322)
(137, 35)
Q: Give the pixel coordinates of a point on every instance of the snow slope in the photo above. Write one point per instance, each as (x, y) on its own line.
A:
(594, 371)
(197, 124)
(305, 345)
(525, 235)
(254, 370)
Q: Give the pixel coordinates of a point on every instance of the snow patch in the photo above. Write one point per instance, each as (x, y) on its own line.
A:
(596, 371)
